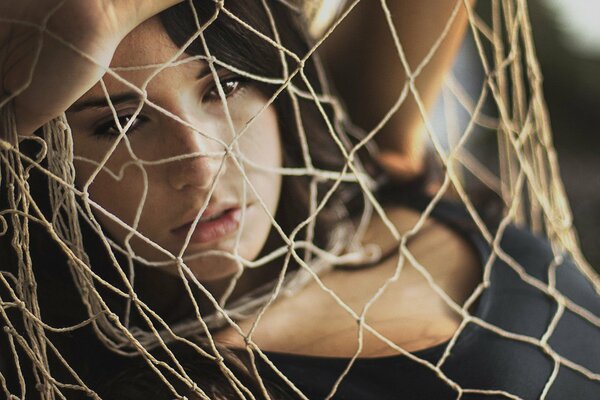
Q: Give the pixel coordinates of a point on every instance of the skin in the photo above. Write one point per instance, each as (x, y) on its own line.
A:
(418, 25)
(179, 189)
(95, 27)
(409, 312)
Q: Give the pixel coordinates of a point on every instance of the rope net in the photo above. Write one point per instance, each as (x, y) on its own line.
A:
(109, 299)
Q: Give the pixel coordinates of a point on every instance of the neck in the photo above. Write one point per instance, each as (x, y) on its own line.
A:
(167, 295)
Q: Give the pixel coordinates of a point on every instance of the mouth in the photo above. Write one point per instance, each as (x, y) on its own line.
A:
(212, 227)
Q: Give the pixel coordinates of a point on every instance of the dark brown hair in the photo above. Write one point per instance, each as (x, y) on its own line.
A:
(137, 381)
(234, 44)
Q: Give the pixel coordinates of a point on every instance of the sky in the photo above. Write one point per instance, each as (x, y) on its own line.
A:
(580, 20)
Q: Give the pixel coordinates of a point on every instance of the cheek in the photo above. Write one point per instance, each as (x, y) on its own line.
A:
(261, 143)
(261, 146)
(118, 196)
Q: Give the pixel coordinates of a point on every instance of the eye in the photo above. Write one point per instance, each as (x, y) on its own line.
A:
(231, 87)
(110, 127)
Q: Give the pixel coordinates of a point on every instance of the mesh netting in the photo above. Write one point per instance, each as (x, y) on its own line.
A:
(85, 276)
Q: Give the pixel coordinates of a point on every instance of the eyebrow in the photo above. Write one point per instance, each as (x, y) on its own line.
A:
(102, 102)
(204, 71)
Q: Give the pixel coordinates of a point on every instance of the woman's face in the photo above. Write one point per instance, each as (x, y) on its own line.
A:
(162, 198)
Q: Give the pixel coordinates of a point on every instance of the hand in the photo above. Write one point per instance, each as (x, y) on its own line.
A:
(44, 89)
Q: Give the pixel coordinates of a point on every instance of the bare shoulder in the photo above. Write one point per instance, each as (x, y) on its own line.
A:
(319, 322)
(401, 218)
(440, 250)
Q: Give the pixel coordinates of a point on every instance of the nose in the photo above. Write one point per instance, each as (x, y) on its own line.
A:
(195, 157)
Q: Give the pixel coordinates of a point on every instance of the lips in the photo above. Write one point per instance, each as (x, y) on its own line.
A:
(216, 223)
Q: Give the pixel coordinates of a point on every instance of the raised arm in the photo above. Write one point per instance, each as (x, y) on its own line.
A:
(369, 74)
(43, 87)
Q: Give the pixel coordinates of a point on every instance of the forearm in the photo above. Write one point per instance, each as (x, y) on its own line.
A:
(419, 26)
(73, 54)
(370, 54)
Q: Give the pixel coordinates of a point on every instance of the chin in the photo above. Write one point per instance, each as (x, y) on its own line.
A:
(213, 268)
(208, 268)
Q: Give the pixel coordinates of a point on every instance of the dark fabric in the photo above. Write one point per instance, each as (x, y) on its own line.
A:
(480, 359)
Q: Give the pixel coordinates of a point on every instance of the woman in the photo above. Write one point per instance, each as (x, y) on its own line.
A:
(175, 186)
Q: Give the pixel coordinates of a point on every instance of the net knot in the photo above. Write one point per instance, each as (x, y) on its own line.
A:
(4, 145)
(113, 317)
(546, 347)
(133, 296)
(211, 59)
(62, 126)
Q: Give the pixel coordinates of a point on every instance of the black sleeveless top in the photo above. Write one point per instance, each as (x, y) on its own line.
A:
(480, 359)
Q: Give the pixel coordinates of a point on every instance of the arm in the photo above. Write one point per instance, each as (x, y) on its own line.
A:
(370, 75)
(61, 75)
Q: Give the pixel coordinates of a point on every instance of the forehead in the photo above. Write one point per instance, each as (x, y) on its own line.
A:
(147, 44)
(142, 52)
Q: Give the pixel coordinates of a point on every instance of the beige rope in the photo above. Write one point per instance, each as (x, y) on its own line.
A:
(528, 182)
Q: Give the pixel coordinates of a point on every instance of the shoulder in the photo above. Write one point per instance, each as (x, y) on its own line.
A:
(437, 229)
(530, 260)
(523, 249)
(437, 244)
(539, 294)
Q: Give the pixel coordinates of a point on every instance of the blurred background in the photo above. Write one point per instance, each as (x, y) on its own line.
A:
(567, 38)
